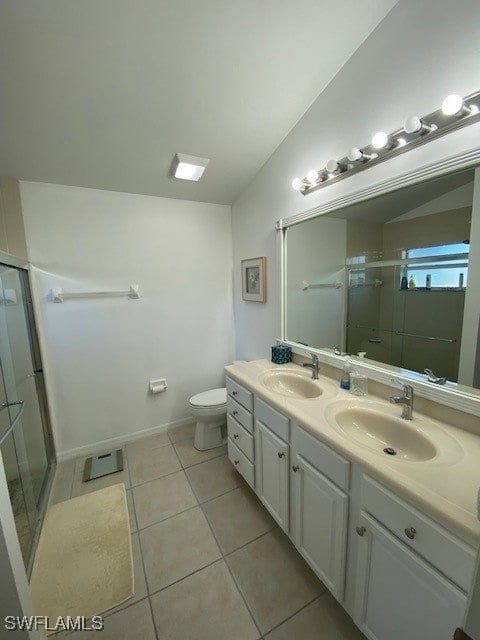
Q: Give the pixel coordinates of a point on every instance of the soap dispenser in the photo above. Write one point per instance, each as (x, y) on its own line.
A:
(345, 380)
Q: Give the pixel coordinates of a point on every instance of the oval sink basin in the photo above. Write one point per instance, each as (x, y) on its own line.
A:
(386, 434)
(292, 383)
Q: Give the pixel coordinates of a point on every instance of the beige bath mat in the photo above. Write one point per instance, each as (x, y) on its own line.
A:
(83, 564)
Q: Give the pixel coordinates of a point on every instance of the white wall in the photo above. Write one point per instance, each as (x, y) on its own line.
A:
(101, 353)
(421, 52)
(313, 261)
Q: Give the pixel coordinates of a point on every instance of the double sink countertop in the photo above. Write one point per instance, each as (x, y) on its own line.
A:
(439, 469)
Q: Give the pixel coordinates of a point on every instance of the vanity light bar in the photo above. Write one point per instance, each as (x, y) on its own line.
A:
(456, 112)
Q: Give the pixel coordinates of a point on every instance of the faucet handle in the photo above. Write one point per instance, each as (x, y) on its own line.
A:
(407, 388)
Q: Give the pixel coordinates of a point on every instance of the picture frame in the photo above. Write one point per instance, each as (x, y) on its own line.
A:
(254, 281)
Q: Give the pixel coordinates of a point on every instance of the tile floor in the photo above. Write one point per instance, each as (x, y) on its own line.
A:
(209, 561)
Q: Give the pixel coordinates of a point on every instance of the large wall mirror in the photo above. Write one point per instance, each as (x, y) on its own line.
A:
(390, 277)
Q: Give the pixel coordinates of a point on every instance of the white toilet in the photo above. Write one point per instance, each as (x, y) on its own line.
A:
(209, 409)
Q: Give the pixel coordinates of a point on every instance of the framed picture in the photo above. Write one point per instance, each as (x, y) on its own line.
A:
(254, 279)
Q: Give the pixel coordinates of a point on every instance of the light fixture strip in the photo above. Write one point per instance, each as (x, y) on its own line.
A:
(437, 124)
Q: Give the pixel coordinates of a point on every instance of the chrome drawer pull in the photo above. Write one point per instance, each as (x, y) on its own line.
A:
(235, 436)
(295, 468)
(236, 462)
(410, 532)
(280, 454)
(361, 531)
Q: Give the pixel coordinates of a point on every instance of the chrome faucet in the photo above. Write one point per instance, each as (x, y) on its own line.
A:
(314, 365)
(406, 401)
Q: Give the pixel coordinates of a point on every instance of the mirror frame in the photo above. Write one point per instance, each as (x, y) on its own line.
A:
(459, 397)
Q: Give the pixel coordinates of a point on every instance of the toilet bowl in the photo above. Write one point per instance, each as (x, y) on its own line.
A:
(209, 409)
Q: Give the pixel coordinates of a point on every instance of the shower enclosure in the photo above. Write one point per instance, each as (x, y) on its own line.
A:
(25, 439)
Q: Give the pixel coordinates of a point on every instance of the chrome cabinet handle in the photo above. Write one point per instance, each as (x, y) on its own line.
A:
(295, 468)
(410, 532)
(361, 531)
(235, 436)
(280, 454)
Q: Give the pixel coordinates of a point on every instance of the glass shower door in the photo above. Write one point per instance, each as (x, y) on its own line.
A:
(25, 452)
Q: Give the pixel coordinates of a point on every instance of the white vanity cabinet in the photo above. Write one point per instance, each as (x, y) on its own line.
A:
(412, 574)
(272, 459)
(397, 570)
(320, 480)
(240, 443)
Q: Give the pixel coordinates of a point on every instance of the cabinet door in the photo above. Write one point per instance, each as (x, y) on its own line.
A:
(398, 594)
(272, 472)
(321, 511)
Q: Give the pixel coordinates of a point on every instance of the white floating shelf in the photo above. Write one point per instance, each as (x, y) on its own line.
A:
(59, 295)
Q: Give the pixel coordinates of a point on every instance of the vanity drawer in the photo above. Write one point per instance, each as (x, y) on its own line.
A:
(241, 395)
(240, 437)
(442, 549)
(273, 419)
(240, 413)
(241, 463)
(320, 456)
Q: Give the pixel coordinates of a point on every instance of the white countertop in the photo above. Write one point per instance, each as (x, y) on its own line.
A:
(446, 488)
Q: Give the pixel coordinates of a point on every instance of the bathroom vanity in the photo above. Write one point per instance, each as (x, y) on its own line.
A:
(393, 537)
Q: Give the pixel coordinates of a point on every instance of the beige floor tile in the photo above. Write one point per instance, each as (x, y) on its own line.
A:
(132, 622)
(157, 440)
(323, 619)
(214, 477)
(189, 455)
(181, 433)
(151, 461)
(176, 547)
(204, 606)
(140, 584)
(62, 481)
(236, 518)
(162, 498)
(131, 512)
(274, 579)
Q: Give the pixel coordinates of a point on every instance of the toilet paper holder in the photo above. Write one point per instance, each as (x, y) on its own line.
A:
(158, 386)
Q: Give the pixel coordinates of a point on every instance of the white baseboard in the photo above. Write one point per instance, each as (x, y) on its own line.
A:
(120, 440)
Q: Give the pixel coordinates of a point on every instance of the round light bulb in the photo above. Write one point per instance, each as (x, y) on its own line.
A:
(297, 184)
(332, 166)
(452, 104)
(354, 155)
(312, 176)
(412, 124)
(380, 140)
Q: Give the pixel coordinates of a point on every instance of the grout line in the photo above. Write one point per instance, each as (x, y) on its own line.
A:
(155, 630)
(134, 511)
(188, 575)
(196, 464)
(229, 570)
(223, 556)
(170, 473)
(153, 524)
(296, 612)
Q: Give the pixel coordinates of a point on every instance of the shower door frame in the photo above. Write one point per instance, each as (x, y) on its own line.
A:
(23, 266)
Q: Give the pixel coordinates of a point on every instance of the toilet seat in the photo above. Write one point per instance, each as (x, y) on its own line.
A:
(210, 399)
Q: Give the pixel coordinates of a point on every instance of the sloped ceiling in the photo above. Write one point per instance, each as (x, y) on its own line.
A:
(103, 93)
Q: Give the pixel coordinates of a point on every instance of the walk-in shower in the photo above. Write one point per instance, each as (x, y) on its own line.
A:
(25, 441)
